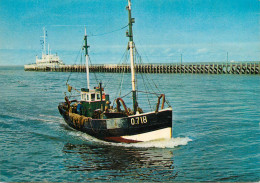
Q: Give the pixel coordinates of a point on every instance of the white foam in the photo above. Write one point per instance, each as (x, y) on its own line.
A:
(163, 143)
(84, 136)
(44, 118)
(48, 116)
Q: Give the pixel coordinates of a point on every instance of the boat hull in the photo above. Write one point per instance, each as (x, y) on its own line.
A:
(131, 129)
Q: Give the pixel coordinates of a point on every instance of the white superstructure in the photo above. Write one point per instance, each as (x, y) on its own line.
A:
(47, 60)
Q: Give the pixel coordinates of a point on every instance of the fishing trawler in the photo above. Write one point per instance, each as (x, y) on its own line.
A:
(94, 115)
(48, 60)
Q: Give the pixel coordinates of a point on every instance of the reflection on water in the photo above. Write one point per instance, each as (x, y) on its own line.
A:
(120, 161)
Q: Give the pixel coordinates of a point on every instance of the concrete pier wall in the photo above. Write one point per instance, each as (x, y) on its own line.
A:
(205, 68)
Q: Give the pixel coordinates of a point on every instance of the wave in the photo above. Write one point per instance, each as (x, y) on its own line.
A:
(162, 143)
(24, 117)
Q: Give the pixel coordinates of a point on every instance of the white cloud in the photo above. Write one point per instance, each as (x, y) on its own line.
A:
(202, 50)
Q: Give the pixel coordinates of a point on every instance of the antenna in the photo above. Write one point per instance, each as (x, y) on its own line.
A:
(44, 41)
(227, 57)
(87, 56)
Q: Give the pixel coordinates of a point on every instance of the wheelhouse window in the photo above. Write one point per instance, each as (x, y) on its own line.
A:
(93, 97)
(98, 96)
(83, 97)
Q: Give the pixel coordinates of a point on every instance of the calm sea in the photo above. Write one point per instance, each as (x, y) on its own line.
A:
(215, 128)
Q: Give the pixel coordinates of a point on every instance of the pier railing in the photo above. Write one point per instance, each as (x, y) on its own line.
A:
(191, 68)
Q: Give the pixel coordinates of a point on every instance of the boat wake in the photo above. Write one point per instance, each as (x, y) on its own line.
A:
(162, 143)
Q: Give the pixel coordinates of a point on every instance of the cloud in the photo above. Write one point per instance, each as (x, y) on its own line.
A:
(201, 50)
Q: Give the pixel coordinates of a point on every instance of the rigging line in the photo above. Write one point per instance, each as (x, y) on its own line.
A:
(118, 89)
(75, 61)
(121, 83)
(156, 95)
(124, 62)
(81, 59)
(154, 84)
(108, 32)
(123, 59)
(147, 92)
(148, 78)
(126, 94)
(167, 101)
(122, 80)
(94, 72)
(148, 72)
(146, 88)
(145, 75)
(78, 74)
(145, 85)
(114, 73)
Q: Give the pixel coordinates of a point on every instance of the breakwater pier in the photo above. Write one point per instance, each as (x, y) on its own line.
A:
(190, 68)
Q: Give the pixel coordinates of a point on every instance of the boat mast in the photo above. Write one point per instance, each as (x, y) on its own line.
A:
(86, 55)
(48, 53)
(131, 47)
(44, 44)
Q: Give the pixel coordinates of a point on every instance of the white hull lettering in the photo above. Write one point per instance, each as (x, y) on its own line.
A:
(139, 120)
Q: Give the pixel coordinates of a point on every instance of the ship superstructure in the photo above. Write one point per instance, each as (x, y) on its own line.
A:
(47, 59)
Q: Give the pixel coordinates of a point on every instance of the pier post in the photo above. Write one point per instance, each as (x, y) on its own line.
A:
(205, 68)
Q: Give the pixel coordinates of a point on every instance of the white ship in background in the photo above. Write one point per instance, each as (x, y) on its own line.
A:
(48, 60)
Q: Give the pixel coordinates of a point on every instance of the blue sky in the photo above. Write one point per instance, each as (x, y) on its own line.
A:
(200, 30)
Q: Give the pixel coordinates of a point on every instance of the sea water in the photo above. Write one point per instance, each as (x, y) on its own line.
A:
(215, 130)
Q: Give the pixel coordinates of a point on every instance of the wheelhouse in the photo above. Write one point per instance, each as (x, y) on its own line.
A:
(92, 95)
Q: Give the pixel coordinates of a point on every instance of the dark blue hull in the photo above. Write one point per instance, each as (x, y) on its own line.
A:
(124, 129)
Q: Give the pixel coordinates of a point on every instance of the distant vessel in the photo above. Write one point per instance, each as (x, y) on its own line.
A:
(47, 60)
(94, 116)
